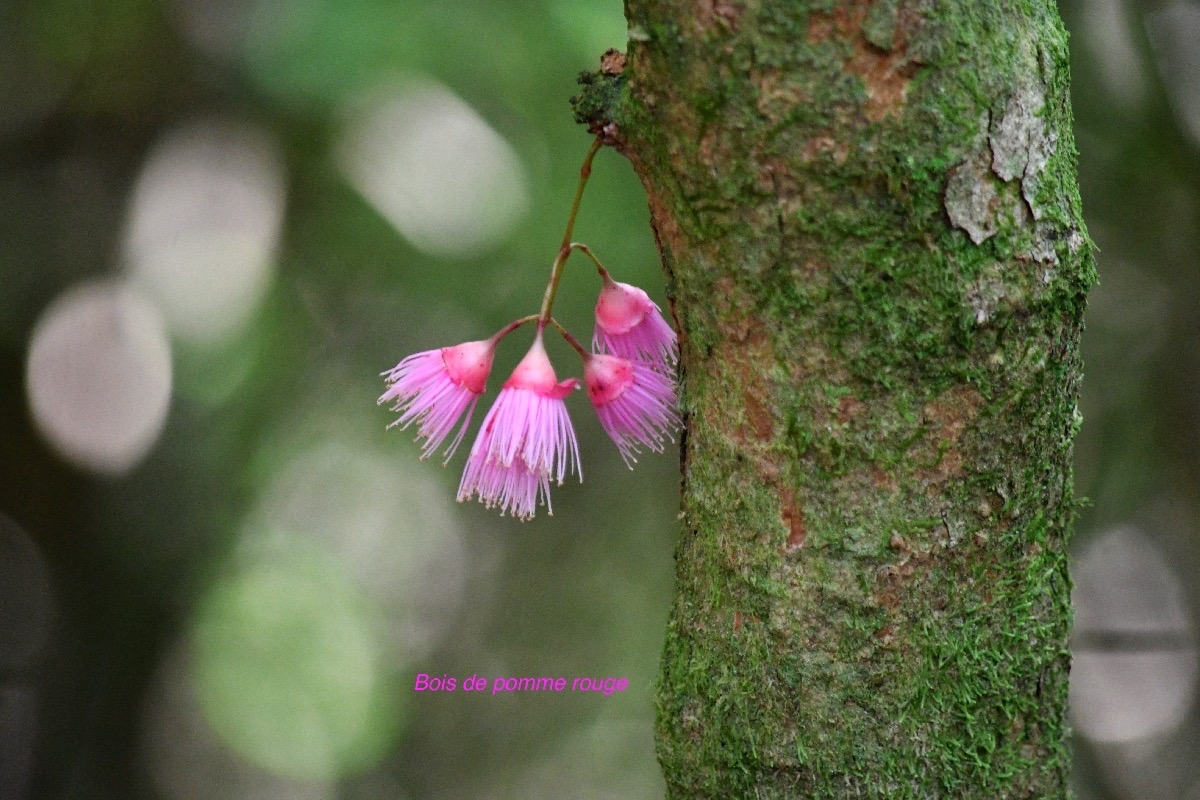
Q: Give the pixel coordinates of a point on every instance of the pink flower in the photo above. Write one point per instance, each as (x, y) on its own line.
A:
(629, 324)
(635, 403)
(435, 387)
(526, 440)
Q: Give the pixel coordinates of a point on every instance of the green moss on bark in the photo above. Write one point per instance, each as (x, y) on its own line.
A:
(873, 245)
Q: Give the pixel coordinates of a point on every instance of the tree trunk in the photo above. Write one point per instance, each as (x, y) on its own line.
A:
(871, 233)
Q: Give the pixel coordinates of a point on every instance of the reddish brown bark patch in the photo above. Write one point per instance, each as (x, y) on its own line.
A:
(849, 409)
(826, 27)
(777, 95)
(886, 76)
(742, 330)
(891, 580)
(668, 238)
(825, 146)
(885, 73)
(883, 480)
(745, 358)
(747, 361)
(759, 416)
(741, 362)
(722, 15)
(793, 520)
(947, 418)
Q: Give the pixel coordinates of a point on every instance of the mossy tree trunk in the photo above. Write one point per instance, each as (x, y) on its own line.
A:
(871, 232)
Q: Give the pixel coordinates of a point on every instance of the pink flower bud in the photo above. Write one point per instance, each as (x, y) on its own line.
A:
(635, 403)
(435, 387)
(469, 364)
(630, 325)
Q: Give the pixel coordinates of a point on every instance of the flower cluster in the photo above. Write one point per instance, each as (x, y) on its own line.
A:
(527, 440)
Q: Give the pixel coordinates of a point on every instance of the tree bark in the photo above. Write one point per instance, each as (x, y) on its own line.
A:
(871, 233)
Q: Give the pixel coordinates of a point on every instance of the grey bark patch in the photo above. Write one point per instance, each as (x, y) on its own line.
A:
(1043, 249)
(1074, 240)
(971, 199)
(1012, 131)
(1020, 142)
(983, 298)
(987, 292)
(1040, 150)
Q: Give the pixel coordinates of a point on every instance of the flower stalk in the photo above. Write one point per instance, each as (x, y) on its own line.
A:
(564, 250)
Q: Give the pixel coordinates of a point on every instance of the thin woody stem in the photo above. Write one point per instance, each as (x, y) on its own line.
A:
(564, 250)
(587, 251)
(584, 353)
(510, 327)
(585, 171)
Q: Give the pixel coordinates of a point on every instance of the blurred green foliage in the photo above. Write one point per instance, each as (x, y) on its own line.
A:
(160, 576)
(163, 587)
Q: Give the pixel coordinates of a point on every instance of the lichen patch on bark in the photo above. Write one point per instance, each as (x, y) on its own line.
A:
(1014, 146)
(972, 199)
(992, 291)
(1020, 141)
(1015, 130)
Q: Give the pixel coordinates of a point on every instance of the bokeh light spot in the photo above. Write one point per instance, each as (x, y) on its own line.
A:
(1135, 662)
(433, 168)
(186, 759)
(99, 377)
(1118, 61)
(204, 226)
(288, 672)
(387, 523)
(1174, 31)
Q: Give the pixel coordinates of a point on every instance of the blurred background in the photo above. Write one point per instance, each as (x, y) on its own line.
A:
(219, 574)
